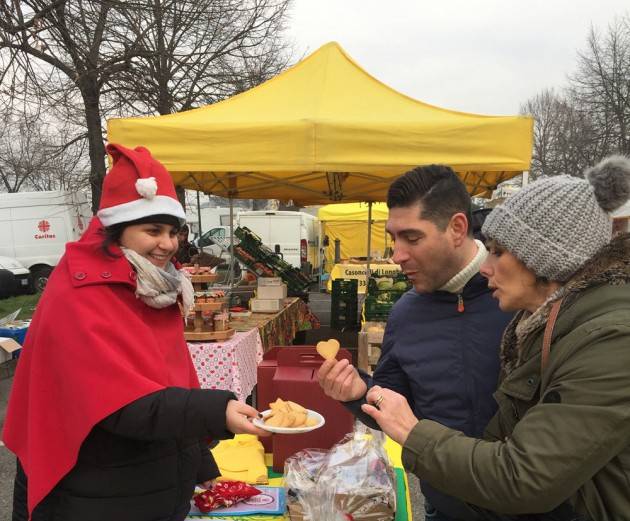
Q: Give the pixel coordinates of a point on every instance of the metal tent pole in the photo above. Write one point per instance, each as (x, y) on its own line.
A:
(199, 222)
(369, 244)
(320, 263)
(232, 257)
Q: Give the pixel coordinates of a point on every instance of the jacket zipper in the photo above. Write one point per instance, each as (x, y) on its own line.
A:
(460, 303)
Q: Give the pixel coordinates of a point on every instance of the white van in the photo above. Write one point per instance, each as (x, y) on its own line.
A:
(35, 227)
(210, 218)
(295, 235)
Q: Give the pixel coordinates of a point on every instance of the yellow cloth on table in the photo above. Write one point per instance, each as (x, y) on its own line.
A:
(241, 459)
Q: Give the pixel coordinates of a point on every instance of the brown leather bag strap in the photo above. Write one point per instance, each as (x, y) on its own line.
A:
(551, 322)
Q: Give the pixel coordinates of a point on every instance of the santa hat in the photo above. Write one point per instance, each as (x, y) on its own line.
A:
(137, 186)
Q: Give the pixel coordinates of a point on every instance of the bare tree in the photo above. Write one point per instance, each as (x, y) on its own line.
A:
(197, 52)
(601, 85)
(565, 140)
(591, 117)
(80, 42)
(93, 58)
(36, 155)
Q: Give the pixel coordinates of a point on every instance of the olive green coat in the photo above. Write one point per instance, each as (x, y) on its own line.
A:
(560, 434)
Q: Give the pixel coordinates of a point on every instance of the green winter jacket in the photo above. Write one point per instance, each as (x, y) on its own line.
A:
(561, 434)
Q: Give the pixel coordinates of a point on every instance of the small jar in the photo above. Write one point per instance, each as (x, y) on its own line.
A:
(220, 321)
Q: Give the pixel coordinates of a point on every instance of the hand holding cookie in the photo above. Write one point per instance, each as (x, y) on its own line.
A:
(340, 380)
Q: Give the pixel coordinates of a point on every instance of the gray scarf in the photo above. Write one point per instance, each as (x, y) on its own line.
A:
(159, 288)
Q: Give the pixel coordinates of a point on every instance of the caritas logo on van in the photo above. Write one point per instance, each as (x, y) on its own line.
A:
(44, 227)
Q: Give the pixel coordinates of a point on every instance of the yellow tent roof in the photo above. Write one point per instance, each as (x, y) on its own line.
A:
(325, 130)
(352, 212)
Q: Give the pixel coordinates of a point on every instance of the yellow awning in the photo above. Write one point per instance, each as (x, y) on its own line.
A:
(325, 130)
(349, 223)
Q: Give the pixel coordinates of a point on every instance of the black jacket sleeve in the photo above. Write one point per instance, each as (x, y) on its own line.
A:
(355, 406)
(208, 468)
(173, 413)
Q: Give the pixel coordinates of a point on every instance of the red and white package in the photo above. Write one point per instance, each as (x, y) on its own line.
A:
(224, 494)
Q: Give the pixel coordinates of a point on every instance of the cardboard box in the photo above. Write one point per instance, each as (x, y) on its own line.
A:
(375, 331)
(258, 305)
(8, 349)
(272, 292)
(290, 373)
(269, 281)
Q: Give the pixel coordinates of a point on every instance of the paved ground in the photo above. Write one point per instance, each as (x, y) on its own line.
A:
(7, 461)
(320, 305)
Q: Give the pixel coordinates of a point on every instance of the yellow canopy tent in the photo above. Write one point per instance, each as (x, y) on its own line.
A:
(349, 223)
(325, 130)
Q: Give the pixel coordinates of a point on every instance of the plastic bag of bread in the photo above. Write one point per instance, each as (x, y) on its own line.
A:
(353, 480)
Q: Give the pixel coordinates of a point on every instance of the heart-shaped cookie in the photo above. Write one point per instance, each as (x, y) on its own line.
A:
(328, 348)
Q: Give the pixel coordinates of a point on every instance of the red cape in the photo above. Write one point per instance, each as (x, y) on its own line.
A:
(91, 349)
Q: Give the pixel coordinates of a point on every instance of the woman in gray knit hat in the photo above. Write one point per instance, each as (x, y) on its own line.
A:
(559, 446)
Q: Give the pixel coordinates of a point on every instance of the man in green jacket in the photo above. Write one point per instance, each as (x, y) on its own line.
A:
(559, 445)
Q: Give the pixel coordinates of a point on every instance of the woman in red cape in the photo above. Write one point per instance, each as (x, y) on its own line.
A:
(106, 417)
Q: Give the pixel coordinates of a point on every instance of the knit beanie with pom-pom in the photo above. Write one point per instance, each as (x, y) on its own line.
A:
(555, 225)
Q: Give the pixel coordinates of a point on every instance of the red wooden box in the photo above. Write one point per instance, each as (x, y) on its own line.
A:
(290, 373)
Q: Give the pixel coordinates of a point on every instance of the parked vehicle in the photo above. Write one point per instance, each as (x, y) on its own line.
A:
(293, 235)
(209, 246)
(14, 277)
(35, 227)
(210, 218)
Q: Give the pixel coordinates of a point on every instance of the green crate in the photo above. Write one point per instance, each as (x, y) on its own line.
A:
(345, 309)
(345, 287)
(348, 317)
(376, 311)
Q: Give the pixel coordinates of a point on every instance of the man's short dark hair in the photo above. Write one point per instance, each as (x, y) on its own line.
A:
(439, 191)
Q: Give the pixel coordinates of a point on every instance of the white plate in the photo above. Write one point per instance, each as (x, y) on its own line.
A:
(258, 422)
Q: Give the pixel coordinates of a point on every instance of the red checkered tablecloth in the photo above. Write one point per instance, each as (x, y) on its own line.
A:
(229, 365)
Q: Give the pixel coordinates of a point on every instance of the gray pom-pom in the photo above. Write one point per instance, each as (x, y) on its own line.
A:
(610, 179)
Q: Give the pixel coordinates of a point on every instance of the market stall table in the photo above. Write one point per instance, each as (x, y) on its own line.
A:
(359, 272)
(229, 365)
(280, 328)
(403, 501)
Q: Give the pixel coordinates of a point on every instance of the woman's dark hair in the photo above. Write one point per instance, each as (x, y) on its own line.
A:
(491, 244)
(112, 234)
(437, 189)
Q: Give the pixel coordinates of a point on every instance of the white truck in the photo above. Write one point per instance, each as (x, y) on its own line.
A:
(35, 227)
(293, 235)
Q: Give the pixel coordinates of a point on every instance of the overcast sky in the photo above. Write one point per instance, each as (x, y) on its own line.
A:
(483, 56)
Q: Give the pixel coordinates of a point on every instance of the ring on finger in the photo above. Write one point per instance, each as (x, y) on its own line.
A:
(379, 400)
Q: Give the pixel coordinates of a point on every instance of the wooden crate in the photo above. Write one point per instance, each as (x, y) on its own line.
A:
(369, 352)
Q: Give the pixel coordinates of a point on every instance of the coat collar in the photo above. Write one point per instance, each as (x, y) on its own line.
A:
(610, 266)
(88, 264)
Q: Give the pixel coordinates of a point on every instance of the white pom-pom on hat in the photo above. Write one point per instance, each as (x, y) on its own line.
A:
(147, 187)
(610, 179)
